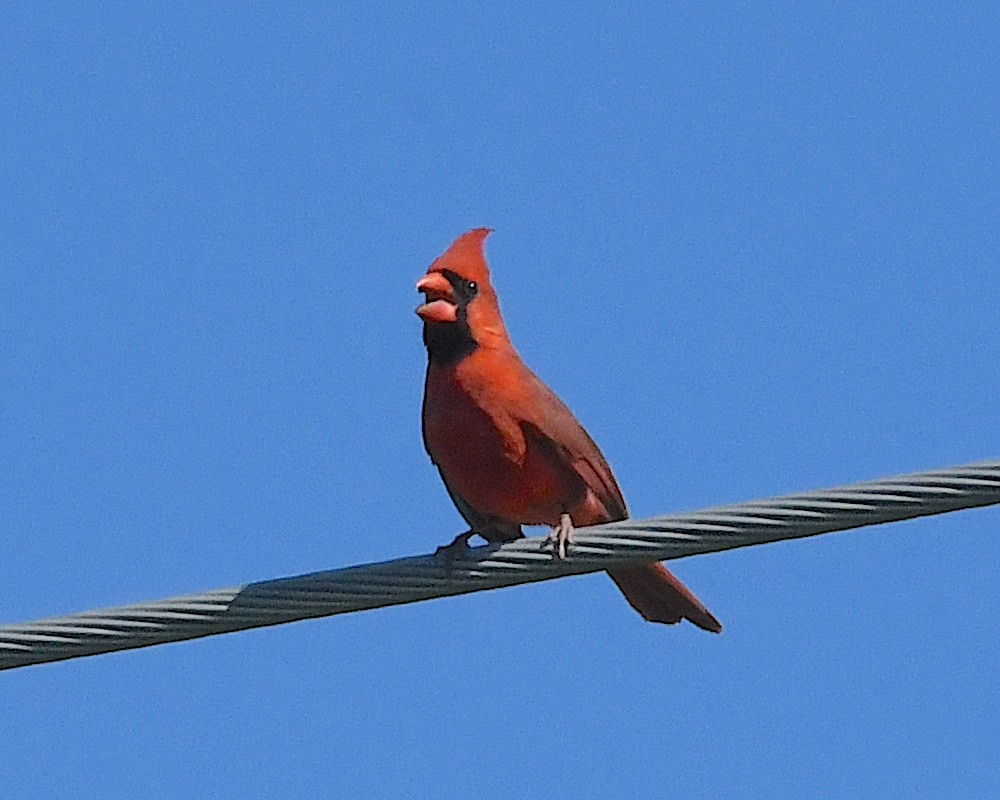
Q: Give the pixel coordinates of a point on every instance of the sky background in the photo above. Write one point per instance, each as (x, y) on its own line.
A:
(754, 247)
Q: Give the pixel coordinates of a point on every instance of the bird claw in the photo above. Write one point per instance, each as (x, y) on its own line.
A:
(448, 553)
(560, 538)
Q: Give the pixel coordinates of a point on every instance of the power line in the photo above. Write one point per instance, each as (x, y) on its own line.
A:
(408, 580)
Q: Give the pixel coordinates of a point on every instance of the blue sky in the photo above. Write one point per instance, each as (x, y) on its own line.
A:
(755, 249)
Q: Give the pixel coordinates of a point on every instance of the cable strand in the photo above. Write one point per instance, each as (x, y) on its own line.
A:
(410, 580)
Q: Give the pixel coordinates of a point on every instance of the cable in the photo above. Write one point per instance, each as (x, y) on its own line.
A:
(408, 580)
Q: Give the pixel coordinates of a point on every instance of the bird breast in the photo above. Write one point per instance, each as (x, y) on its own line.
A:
(475, 436)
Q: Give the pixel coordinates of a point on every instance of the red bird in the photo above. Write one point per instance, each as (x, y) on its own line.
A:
(509, 451)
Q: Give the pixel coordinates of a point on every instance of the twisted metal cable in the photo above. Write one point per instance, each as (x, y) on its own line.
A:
(408, 580)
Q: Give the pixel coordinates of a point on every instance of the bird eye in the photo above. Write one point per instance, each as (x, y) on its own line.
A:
(473, 287)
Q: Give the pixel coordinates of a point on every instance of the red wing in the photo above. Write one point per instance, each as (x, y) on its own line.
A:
(553, 423)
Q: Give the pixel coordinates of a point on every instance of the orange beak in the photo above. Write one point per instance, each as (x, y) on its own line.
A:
(440, 305)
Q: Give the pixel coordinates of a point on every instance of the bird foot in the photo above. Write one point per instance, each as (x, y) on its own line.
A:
(448, 553)
(560, 538)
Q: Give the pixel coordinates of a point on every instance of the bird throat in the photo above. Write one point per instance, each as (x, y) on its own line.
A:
(448, 343)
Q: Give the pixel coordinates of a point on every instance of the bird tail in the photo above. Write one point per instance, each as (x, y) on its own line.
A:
(654, 591)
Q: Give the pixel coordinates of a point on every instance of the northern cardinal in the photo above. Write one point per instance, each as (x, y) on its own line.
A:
(509, 451)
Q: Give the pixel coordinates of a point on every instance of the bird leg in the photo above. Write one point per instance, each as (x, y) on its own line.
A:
(449, 552)
(560, 537)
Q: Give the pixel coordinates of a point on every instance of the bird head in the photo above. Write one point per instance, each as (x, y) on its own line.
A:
(461, 308)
